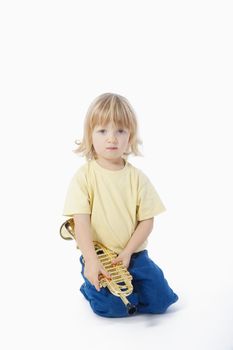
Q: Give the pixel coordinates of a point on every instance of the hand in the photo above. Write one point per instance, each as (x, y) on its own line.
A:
(124, 257)
(92, 270)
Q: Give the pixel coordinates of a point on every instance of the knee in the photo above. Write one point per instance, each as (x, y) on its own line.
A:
(160, 305)
(105, 304)
(108, 308)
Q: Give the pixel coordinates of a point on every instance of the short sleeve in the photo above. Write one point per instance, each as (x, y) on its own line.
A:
(77, 199)
(149, 203)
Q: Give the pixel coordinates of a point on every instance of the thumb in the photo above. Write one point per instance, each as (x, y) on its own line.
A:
(116, 260)
(96, 284)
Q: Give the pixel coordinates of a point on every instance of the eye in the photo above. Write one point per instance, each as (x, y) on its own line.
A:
(101, 131)
(121, 131)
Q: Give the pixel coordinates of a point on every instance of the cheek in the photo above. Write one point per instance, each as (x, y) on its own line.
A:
(94, 138)
(126, 141)
(96, 142)
(93, 141)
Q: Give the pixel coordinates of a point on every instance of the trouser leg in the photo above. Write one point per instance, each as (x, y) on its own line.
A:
(151, 293)
(154, 293)
(103, 302)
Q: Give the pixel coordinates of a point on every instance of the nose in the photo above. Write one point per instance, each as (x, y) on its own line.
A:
(112, 137)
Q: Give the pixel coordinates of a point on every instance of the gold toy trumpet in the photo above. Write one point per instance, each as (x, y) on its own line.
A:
(120, 284)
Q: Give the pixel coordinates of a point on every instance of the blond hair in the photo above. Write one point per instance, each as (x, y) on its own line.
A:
(106, 108)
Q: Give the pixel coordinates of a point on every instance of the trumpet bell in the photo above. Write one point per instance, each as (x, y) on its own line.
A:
(67, 229)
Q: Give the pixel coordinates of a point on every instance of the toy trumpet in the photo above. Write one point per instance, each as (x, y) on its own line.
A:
(120, 284)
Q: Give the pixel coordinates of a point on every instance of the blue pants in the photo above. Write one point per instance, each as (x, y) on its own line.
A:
(151, 292)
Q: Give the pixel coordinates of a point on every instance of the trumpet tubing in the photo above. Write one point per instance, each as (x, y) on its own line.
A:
(120, 284)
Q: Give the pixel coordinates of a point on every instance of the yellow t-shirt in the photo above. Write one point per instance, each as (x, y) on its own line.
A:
(115, 199)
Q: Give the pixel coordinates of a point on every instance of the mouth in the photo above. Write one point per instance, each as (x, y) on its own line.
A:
(111, 148)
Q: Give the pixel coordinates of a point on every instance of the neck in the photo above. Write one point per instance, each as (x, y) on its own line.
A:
(114, 164)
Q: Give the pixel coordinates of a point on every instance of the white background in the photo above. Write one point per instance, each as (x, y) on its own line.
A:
(173, 61)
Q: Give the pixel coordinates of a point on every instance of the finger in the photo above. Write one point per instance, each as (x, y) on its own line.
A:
(97, 286)
(125, 264)
(116, 260)
(106, 274)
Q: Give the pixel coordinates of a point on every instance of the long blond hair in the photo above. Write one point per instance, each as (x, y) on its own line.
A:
(106, 108)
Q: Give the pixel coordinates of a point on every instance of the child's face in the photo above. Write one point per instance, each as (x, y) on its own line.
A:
(110, 142)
